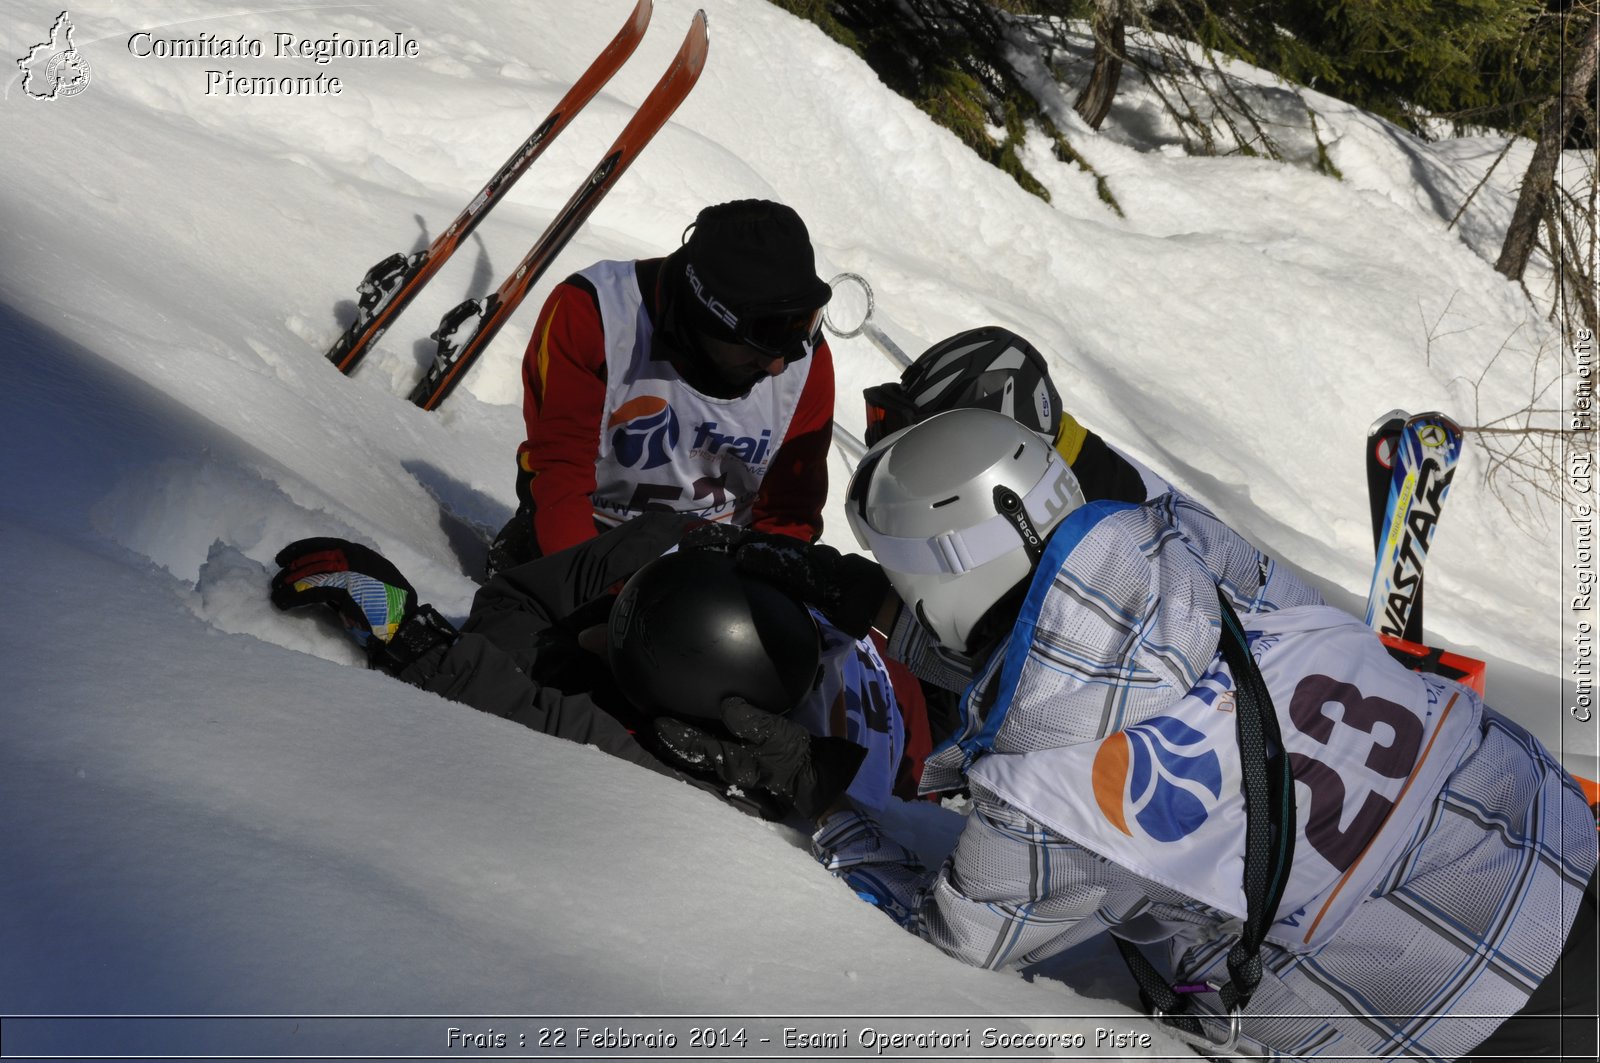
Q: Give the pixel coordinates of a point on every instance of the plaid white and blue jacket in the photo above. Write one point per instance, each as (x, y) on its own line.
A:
(1457, 895)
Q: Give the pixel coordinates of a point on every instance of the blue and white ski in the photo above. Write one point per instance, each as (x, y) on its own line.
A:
(1425, 457)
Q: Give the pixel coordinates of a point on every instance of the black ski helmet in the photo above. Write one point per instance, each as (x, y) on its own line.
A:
(990, 368)
(688, 630)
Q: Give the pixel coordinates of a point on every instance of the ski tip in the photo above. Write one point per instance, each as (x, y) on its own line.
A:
(1435, 416)
(1394, 417)
(696, 44)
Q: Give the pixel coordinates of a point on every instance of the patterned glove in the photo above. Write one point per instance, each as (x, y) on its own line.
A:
(768, 753)
(376, 604)
(849, 588)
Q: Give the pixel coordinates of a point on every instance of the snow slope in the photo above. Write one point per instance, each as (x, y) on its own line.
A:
(201, 817)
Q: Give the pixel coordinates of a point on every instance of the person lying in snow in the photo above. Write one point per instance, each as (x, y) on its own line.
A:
(657, 680)
(1171, 739)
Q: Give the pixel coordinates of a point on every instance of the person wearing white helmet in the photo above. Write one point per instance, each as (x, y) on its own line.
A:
(1170, 737)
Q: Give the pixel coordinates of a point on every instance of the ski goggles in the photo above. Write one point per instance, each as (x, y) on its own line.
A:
(787, 334)
(889, 409)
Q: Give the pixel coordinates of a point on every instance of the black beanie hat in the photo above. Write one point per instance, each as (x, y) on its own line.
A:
(747, 256)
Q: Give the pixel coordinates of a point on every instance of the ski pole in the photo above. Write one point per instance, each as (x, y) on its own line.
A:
(852, 445)
(873, 332)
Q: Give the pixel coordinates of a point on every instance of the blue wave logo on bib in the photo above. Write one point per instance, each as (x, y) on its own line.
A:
(644, 429)
(1156, 772)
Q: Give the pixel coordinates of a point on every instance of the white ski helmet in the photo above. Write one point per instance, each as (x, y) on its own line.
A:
(956, 509)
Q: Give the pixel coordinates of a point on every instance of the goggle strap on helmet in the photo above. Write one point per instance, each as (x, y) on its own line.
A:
(964, 549)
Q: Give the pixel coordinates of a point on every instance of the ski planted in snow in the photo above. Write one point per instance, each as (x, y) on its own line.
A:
(1424, 460)
(1383, 443)
(391, 284)
(484, 317)
(1382, 439)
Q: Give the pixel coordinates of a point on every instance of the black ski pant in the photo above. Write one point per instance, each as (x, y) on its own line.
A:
(518, 656)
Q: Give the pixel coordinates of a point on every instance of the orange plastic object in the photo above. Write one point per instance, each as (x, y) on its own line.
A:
(1467, 671)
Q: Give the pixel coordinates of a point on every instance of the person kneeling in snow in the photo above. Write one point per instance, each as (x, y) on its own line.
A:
(705, 655)
(1170, 742)
(721, 340)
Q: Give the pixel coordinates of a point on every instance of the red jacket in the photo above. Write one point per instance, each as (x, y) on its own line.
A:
(564, 387)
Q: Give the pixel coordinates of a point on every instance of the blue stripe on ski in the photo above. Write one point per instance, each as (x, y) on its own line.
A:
(1424, 463)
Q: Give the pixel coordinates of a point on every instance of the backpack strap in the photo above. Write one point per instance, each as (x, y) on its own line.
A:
(1268, 787)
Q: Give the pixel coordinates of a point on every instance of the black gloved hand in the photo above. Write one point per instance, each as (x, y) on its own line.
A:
(716, 536)
(849, 588)
(376, 604)
(768, 753)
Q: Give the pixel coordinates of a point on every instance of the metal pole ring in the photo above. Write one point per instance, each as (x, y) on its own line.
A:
(827, 314)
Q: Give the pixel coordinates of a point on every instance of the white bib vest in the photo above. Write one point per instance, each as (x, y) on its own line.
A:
(1368, 740)
(664, 445)
(855, 700)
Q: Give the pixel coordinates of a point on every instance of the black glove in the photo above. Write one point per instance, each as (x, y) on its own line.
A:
(768, 753)
(376, 604)
(849, 588)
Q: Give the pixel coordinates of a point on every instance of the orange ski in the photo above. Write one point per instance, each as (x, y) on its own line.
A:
(486, 316)
(391, 284)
